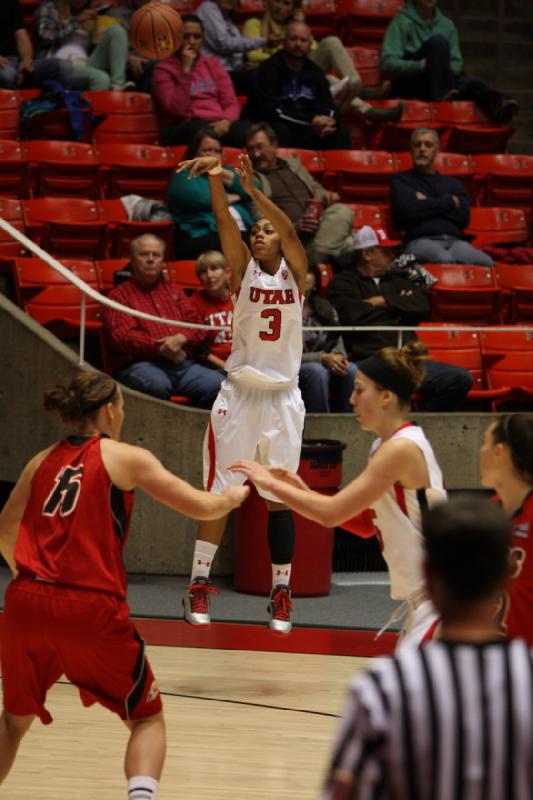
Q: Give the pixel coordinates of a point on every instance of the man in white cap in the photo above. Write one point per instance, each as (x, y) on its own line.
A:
(367, 292)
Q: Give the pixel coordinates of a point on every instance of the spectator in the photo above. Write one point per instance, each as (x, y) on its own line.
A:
(325, 366)
(292, 94)
(194, 91)
(429, 723)
(139, 68)
(329, 54)
(290, 186)
(506, 465)
(422, 55)
(66, 29)
(157, 358)
(17, 66)
(214, 305)
(432, 209)
(366, 292)
(189, 202)
(224, 40)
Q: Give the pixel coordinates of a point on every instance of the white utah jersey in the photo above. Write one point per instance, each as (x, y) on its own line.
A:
(398, 516)
(267, 328)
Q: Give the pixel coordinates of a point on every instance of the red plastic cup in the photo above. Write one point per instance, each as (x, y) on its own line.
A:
(313, 208)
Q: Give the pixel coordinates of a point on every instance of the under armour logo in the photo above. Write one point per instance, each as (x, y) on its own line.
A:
(257, 273)
(282, 572)
(200, 562)
(222, 411)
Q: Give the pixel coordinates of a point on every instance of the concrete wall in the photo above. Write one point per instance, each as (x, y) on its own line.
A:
(161, 541)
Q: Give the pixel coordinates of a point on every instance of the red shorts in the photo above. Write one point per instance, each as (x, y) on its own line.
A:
(50, 630)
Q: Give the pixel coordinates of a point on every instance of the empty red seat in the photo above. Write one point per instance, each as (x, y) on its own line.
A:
(512, 370)
(183, 274)
(67, 226)
(367, 63)
(364, 22)
(359, 175)
(311, 159)
(11, 211)
(497, 226)
(13, 169)
(9, 114)
(504, 341)
(62, 169)
(397, 136)
(469, 130)
(467, 294)
(320, 16)
(366, 215)
(129, 117)
(136, 169)
(517, 280)
(32, 275)
(105, 269)
(505, 179)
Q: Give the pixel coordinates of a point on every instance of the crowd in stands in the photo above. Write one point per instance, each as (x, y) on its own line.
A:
(262, 86)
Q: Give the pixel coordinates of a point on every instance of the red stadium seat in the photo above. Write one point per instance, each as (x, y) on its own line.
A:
(136, 169)
(63, 169)
(517, 280)
(367, 63)
(320, 16)
(366, 215)
(67, 226)
(494, 342)
(361, 176)
(32, 275)
(311, 159)
(497, 226)
(469, 129)
(9, 115)
(11, 211)
(13, 169)
(183, 274)
(466, 294)
(514, 371)
(245, 9)
(363, 22)
(115, 102)
(397, 136)
(504, 179)
(123, 231)
(128, 128)
(105, 269)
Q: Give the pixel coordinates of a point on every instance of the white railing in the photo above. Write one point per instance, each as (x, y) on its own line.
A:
(87, 290)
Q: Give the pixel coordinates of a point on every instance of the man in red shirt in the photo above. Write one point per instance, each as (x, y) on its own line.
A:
(154, 357)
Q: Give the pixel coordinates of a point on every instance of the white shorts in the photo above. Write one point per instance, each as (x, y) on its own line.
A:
(257, 424)
(421, 625)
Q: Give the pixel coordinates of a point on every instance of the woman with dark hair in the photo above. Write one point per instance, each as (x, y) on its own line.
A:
(325, 365)
(189, 202)
(506, 465)
(402, 477)
(62, 532)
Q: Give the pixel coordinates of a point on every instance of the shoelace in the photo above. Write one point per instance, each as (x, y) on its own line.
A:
(199, 596)
(282, 605)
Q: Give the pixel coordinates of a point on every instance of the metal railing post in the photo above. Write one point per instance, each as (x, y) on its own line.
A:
(82, 329)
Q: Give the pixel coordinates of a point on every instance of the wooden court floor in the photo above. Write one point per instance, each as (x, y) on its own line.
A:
(240, 725)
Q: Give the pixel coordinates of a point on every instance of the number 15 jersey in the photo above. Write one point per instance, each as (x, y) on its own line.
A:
(267, 328)
(75, 523)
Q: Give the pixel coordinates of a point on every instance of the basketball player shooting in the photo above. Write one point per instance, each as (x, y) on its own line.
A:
(259, 411)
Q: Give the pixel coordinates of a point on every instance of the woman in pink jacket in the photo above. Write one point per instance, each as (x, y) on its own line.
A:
(194, 91)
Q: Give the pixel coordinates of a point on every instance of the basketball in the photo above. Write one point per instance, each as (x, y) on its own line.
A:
(156, 30)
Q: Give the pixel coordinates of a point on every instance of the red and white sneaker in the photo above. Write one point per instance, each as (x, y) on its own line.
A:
(196, 602)
(280, 608)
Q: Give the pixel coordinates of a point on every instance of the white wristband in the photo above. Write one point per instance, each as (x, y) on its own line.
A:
(216, 170)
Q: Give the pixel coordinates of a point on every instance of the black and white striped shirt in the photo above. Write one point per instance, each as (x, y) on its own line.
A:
(449, 721)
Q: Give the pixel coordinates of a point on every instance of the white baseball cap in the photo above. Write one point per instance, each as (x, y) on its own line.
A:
(372, 237)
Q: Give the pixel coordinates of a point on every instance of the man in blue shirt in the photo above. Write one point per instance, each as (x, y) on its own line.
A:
(432, 209)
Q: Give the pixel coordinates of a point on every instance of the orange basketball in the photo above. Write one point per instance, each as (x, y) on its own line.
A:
(156, 30)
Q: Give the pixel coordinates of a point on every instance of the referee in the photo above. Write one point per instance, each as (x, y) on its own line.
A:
(453, 720)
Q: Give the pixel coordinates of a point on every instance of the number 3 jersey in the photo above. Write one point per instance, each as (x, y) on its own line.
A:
(75, 524)
(267, 328)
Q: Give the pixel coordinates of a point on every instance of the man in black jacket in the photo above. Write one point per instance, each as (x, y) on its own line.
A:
(432, 209)
(367, 293)
(293, 96)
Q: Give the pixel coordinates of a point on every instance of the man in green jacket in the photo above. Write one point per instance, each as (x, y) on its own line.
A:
(422, 55)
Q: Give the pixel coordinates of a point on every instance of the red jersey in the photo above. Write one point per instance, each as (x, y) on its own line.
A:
(519, 618)
(215, 312)
(76, 521)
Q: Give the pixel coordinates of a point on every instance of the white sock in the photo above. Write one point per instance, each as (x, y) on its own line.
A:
(204, 553)
(281, 574)
(142, 787)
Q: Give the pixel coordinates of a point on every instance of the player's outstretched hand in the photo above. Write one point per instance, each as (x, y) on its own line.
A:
(198, 166)
(254, 472)
(246, 173)
(236, 495)
(287, 476)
